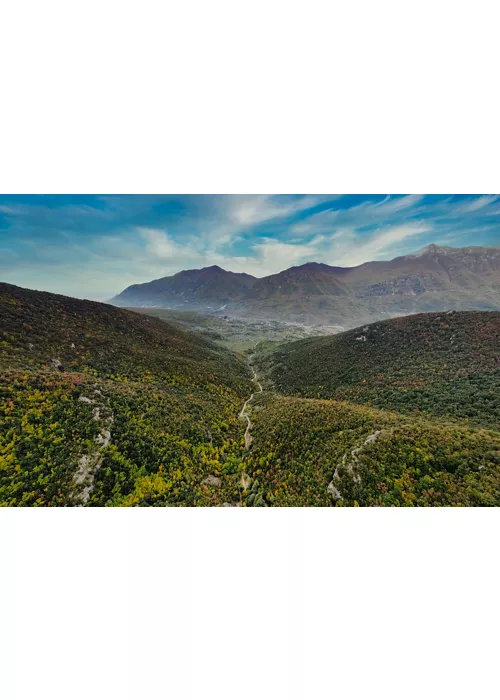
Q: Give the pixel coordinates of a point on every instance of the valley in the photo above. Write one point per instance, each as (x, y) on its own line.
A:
(244, 411)
(403, 412)
(102, 406)
(238, 334)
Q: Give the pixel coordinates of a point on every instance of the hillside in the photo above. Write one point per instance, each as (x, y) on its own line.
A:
(309, 452)
(436, 278)
(434, 364)
(102, 406)
(405, 412)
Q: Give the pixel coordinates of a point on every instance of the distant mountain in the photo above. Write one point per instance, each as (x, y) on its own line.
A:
(435, 278)
(208, 288)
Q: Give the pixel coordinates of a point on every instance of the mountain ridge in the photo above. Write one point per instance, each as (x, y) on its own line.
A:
(435, 278)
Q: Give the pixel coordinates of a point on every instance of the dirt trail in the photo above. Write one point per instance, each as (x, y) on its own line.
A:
(244, 411)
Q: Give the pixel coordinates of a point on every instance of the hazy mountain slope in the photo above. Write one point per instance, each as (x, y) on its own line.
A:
(439, 364)
(434, 279)
(103, 406)
(437, 278)
(193, 289)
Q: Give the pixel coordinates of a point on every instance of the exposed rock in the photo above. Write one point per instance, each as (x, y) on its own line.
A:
(103, 438)
(212, 480)
(88, 464)
(245, 481)
(350, 465)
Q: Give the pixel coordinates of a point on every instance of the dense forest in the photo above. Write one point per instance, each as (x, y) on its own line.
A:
(101, 406)
(403, 412)
(432, 364)
(319, 453)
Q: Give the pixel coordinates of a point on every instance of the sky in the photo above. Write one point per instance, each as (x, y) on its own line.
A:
(93, 246)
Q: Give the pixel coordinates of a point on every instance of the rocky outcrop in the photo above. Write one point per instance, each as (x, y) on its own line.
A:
(88, 464)
(350, 465)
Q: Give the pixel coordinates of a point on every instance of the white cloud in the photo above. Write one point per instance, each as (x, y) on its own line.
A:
(274, 256)
(475, 204)
(365, 214)
(349, 249)
(265, 257)
(390, 205)
(247, 210)
(4, 209)
(159, 244)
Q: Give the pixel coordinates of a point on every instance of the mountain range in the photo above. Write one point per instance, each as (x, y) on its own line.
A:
(435, 278)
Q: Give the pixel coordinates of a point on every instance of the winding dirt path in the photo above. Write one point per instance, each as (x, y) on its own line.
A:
(244, 410)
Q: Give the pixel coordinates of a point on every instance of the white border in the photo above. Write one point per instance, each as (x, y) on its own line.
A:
(230, 97)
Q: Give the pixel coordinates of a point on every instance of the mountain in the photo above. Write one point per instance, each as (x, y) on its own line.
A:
(433, 279)
(403, 412)
(102, 406)
(205, 289)
(436, 278)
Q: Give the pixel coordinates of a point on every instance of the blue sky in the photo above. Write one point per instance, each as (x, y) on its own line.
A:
(94, 246)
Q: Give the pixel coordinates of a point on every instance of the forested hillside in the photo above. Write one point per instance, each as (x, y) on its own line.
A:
(309, 452)
(432, 364)
(102, 406)
(427, 434)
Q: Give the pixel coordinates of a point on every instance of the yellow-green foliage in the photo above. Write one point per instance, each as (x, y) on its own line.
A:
(299, 443)
(169, 399)
(154, 411)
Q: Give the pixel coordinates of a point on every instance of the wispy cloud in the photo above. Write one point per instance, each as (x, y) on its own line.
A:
(475, 204)
(247, 210)
(349, 249)
(94, 246)
(366, 213)
(4, 209)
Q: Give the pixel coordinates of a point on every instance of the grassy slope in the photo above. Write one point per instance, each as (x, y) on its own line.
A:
(169, 399)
